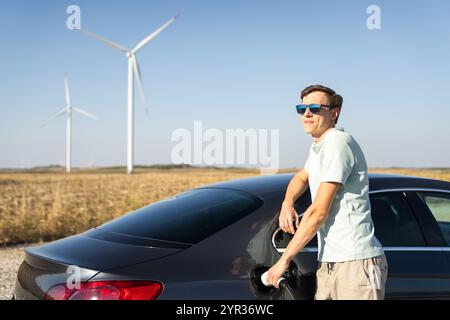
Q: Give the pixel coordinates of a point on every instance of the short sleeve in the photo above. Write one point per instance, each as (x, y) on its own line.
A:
(338, 161)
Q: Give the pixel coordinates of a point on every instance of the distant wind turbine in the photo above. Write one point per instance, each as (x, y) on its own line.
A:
(68, 110)
(133, 71)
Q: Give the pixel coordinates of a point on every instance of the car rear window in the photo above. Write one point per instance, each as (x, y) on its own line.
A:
(188, 217)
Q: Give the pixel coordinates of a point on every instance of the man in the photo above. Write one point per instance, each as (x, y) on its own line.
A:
(352, 264)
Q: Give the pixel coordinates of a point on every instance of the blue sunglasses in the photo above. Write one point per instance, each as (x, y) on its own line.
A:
(313, 107)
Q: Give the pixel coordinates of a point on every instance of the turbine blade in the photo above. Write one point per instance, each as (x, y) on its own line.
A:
(59, 114)
(66, 89)
(106, 41)
(137, 73)
(154, 34)
(90, 115)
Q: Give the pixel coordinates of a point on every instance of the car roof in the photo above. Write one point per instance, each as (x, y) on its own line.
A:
(260, 185)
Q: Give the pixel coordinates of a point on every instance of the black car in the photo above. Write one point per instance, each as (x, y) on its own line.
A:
(214, 242)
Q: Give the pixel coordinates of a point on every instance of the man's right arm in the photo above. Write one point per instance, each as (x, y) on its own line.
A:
(297, 186)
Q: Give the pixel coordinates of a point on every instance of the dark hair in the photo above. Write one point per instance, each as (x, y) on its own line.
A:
(335, 99)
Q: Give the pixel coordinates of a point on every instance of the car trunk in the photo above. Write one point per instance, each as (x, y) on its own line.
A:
(81, 257)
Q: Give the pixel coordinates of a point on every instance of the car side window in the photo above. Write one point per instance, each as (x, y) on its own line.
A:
(395, 223)
(439, 205)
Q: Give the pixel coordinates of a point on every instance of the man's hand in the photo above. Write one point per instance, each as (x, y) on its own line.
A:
(277, 270)
(289, 219)
(288, 216)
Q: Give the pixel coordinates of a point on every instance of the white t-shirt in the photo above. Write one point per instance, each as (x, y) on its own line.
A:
(348, 232)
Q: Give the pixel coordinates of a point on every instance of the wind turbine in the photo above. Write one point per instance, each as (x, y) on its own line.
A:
(68, 110)
(133, 71)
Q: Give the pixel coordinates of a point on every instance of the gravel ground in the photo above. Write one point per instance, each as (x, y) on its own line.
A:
(10, 260)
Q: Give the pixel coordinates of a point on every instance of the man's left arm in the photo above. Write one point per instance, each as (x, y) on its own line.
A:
(313, 218)
(337, 164)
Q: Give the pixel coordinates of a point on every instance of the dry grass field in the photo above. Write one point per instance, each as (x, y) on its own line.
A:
(42, 206)
(439, 174)
(38, 207)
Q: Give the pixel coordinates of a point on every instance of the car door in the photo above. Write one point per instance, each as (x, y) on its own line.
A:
(434, 207)
(418, 268)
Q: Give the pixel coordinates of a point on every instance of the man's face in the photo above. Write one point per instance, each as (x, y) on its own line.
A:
(316, 124)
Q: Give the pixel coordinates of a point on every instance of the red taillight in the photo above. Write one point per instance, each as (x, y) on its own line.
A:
(106, 290)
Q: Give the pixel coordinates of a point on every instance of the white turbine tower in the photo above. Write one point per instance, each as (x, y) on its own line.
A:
(133, 71)
(68, 110)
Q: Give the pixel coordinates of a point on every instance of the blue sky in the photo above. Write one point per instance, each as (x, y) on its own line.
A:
(230, 64)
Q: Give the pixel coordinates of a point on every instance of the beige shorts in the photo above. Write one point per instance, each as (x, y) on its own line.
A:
(352, 280)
